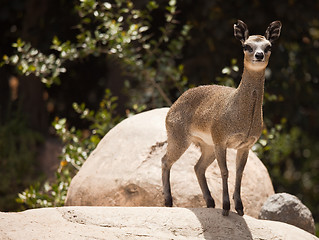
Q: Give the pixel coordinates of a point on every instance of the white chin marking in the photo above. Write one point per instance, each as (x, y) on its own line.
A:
(257, 65)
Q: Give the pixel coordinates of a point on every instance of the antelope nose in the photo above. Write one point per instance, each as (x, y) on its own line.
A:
(259, 55)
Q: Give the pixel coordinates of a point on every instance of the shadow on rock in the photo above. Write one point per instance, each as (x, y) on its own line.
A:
(216, 226)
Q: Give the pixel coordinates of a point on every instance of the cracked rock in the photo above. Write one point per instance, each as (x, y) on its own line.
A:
(141, 223)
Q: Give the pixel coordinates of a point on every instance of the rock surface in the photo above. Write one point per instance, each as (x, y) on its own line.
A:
(79, 223)
(287, 208)
(125, 170)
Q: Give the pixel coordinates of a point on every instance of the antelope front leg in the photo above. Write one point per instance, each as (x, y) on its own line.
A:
(241, 159)
(220, 152)
(207, 157)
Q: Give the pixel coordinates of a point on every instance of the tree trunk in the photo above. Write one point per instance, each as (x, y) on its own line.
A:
(31, 90)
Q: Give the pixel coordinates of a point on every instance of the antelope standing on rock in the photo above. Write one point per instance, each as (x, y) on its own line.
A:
(218, 117)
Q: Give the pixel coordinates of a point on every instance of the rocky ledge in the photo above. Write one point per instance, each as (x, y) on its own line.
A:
(141, 223)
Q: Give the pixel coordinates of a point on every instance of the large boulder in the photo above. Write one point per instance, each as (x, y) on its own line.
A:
(125, 170)
(288, 208)
(81, 223)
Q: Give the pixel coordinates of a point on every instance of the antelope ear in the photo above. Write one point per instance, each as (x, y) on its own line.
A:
(273, 31)
(241, 31)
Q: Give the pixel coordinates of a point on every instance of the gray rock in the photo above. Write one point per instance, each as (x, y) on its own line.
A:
(287, 208)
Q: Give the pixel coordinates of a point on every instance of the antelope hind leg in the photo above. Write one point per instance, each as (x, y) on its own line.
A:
(174, 151)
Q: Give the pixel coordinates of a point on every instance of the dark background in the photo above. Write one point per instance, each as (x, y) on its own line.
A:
(294, 77)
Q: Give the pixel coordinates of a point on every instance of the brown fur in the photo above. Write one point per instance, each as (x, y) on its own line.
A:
(218, 117)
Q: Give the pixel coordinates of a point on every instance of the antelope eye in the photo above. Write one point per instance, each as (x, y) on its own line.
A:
(248, 48)
(267, 49)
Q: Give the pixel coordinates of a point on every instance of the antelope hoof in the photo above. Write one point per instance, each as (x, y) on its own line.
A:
(226, 208)
(210, 203)
(239, 208)
(225, 212)
(168, 202)
(240, 212)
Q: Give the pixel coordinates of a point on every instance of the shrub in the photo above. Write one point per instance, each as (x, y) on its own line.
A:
(78, 145)
(149, 60)
(18, 146)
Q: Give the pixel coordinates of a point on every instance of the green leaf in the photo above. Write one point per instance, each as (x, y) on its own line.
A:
(152, 5)
(56, 41)
(31, 68)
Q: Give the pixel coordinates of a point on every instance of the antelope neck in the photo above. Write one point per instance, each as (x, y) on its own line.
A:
(252, 81)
